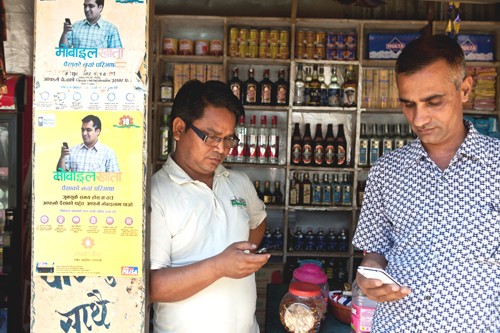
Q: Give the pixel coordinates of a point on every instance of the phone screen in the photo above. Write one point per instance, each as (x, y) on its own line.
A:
(377, 273)
(68, 20)
(65, 145)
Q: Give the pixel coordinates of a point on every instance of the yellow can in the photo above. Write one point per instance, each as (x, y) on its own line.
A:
(263, 36)
(309, 54)
(253, 50)
(310, 37)
(233, 49)
(274, 36)
(254, 36)
(273, 51)
(233, 34)
(243, 50)
(284, 36)
(320, 38)
(243, 35)
(283, 52)
(300, 37)
(263, 51)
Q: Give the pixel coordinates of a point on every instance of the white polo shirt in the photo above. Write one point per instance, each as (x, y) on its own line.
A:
(191, 222)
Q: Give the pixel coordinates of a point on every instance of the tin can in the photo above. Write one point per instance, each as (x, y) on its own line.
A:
(263, 51)
(319, 52)
(185, 47)
(263, 36)
(273, 51)
(216, 47)
(340, 40)
(242, 49)
(300, 37)
(284, 36)
(319, 39)
(339, 55)
(201, 47)
(274, 36)
(283, 52)
(253, 37)
(330, 53)
(253, 50)
(233, 34)
(310, 37)
(350, 54)
(299, 51)
(233, 49)
(350, 40)
(169, 46)
(243, 35)
(331, 39)
(309, 54)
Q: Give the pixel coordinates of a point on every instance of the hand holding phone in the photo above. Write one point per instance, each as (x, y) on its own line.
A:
(377, 273)
(67, 20)
(65, 145)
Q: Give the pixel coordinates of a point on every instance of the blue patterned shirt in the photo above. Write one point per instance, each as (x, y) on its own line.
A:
(440, 233)
(99, 158)
(101, 34)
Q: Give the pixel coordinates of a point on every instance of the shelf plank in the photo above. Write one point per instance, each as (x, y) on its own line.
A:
(192, 59)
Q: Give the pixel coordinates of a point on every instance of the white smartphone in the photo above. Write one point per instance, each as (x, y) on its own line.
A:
(377, 273)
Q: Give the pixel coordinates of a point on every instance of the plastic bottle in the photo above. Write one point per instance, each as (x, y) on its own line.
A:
(362, 312)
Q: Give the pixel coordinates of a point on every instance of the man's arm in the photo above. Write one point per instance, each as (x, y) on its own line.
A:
(61, 164)
(63, 41)
(174, 284)
(257, 234)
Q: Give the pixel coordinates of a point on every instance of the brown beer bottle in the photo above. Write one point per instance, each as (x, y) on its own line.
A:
(341, 147)
(330, 159)
(296, 155)
(319, 147)
(307, 147)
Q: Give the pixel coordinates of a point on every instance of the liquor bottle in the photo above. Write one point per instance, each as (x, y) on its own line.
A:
(320, 240)
(298, 240)
(323, 87)
(296, 146)
(277, 194)
(274, 142)
(361, 191)
(341, 147)
(267, 194)
(280, 89)
(316, 199)
(387, 143)
(305, 190)
(337, 190)
(399, 141)
(349, 88)
(339, 275)
(262, 141)
(334, 89)
(331, 241)
(307, 143)
(374, 145)
(256, 184)
(346, 191)
(310, 240)
(299, 95)
(265, 89)
(250, 89)
(364, 143)
(167, 89)
(330, 153)
(240, 131)
(319, 147)
(307, 86)
(294, 190)
(326, 188)
(343, 241)
(278, 239)
(252, 139)
(267, 240)
(315, 88)
(164, 138)
(236, 84)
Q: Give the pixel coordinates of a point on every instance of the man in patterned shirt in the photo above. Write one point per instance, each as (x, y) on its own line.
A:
(91, 155)
(93, 32)
(431, 211)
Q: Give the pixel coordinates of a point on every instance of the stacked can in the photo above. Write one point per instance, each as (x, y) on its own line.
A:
(253, 41)
(233, 42)
(350, 43)
(310, 38)
(300, 44)
(319, 45)
(283, 44)
(263, 43)
(243, 43)
(274, 36)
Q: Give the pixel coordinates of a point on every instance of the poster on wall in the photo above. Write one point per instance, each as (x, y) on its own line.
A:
(82, 66)
(88, 203)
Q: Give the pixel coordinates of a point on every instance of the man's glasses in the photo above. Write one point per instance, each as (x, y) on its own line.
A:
(213, 141)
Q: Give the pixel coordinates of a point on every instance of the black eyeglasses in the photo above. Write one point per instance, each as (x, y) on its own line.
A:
(213, 141)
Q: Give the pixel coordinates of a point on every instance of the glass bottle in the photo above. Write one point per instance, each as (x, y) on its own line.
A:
(334, 89)
(241, 149)
(310, 240)
(341, 147)
(374, 145)
(320, 240)
(280, 96)
(167, 89)
(296, 146)
(364, 143)
(298, 240)
(278, 239)
(330, 152)
(319, 147)
(164, 138)
(346, 191)
(250, 89)
(257, 189)
(399, 141)
(305, 190)
(277, 194)
(315, 88)
(343, 241)
(299, 95)
(326, 189)
(349, 88)
(294, 190)
(323, 87)
(331, 242)
(387, 143)
(252, 139)
(307, 143)
(265, 89)
(235, 83)
(337, 190)
(316, 191)
(267, 194)
(274, 142)
(410, 135)
(307, 86)
(262, 141)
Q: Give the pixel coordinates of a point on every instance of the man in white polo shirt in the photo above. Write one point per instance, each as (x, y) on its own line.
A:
(205, 221)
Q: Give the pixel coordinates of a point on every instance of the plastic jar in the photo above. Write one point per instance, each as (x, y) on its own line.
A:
(302, 307)
(362, 312)
(311, 273)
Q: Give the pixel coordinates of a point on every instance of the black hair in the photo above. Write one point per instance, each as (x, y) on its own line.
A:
(94, 119)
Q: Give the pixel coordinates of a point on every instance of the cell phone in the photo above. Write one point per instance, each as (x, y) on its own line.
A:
(65, 145)
(263, 250)
(67, 20)
(377, 273)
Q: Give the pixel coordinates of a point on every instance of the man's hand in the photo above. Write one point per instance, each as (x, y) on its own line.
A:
(237, 260)
(376, 290)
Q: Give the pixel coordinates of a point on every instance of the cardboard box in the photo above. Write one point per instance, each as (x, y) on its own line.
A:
(477, 47)
(388, 45)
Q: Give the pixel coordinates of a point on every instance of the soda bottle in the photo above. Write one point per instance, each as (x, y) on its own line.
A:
(331, 241)
(278, 239)
(267, 241)
(310, 240)
(298, 240)
(343, 241)
(320, 240)
(256, 184)
(362, 312)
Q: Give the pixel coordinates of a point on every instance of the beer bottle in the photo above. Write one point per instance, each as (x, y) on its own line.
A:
(330, 153)
(257, 189)
(167, 89)
(307, 143)
(319, 148)
(277, 194)
(235, 83)
(307, 85)
(250, 89)
(324, 87)
(295, 190)
(296, 146)
(341, 147)
(267, 194)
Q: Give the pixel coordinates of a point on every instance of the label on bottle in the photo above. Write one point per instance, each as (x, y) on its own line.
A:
(329, 155)
(349, 96)
(306, 197)
(299, 95)
(341, 155)
(363, 152)
(252, 148)
(307, 154)
(315, 96)
(251, 93)
(293, 196)
(362, 318)
(374, 151)
(334, 96)
(281, 94)
(262, 148)
(318, 155)
(387, 146)
(296, 153)
(236, 89)
(163, 145)
(166, 93)
(265, 94)
(273, 148)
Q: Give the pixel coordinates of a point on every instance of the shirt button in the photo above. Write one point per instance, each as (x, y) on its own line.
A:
(427, 298)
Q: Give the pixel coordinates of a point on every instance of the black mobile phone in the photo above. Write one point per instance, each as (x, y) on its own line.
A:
(67, 20)
(65, 145)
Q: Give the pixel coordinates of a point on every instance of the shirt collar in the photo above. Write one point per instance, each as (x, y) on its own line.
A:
(178, 175)
(98, 23)
(96, 147)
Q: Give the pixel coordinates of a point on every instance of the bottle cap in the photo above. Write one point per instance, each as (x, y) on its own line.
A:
(309, 274)
(304, 289)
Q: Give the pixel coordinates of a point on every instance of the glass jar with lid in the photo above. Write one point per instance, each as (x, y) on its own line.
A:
(302, 307)
(312, 273)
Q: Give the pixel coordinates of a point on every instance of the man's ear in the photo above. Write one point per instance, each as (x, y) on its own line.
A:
(466, 88)
(178, 127)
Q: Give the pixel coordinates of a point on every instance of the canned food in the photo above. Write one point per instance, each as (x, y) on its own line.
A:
(263, 51)
(216, 47)
(319, 52)
(339, 55)
(319, 39)
(169, 46)
(274, 36)
(273, 51)
(233, 49)
(243, 36)
(350, 40)
(309, 54)
(330, 53)
(349, 54)
(253, 50)
(283, 52)
(284, 35)
(254, 36)
(242, 50)
(299, 51)
(341, 40)
(310, 36)
(331, 39)
(300, 37)
(233, 34)
(185, 47)
(201, 47)
(263, 36)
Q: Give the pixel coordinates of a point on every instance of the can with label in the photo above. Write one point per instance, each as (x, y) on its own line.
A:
(319, 39)
(243, 36)
(283, 52)
(299, 51)
(263, 36)
(300, 37)
(274, 36)
(350, 40)
(340, 40)
(284, 36)
(201, 47)
(350, 54)
(310, 37)
(233, 49)
(185, 47)
(263, 51)
(273, 51)
(242, 49)
(216, 47)
(309, 54)
(169, 46)
(253, 50)
(253, 37)
(319, 52)
(331, 39)
(233, 34)
(330, 53)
